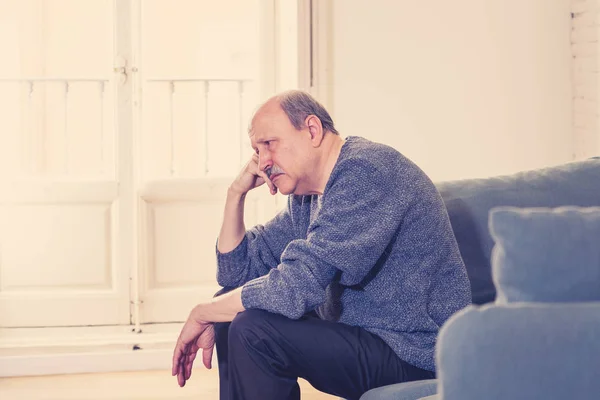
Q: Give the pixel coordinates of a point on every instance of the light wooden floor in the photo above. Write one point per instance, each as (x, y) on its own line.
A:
(145, 385)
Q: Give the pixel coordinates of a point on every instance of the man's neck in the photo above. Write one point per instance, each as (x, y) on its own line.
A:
(332, 146)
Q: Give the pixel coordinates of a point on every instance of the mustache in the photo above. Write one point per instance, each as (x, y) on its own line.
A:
(274, 170)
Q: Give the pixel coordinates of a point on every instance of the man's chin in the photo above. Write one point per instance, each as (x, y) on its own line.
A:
(284, 189)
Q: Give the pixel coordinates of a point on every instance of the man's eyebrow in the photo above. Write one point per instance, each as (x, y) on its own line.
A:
(262, 140)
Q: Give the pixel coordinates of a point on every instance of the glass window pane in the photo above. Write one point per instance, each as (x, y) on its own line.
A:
(200, 69)
(56, 93)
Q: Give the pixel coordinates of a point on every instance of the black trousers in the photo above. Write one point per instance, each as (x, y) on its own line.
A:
(261, 355)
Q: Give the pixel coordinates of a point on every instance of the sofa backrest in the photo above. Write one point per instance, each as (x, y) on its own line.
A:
(469, 202)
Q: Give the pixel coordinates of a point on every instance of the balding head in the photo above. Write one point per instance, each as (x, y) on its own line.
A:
(298, 106)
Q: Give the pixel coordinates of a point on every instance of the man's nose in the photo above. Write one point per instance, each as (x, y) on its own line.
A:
(264, 162)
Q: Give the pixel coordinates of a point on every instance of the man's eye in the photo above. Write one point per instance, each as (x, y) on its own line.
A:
(267, 143)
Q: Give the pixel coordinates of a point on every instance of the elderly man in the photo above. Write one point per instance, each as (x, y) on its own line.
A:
(347, 287)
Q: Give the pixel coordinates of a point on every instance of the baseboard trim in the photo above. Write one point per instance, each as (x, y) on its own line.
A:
(79, 363)
(50, 351)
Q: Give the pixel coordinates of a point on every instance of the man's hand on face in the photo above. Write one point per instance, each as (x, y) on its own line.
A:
(251, 177)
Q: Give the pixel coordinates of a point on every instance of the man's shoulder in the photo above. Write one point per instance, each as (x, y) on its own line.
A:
(360, 154)
(381, 164)
(360, 146)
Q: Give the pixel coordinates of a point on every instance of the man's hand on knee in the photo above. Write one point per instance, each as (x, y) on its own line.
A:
(195, 335)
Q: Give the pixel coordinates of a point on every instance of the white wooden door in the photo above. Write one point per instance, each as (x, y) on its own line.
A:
(122, 123)
(65, 187)
(203, 69)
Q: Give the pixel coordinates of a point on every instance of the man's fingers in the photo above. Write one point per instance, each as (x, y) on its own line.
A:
(272, 187)
(207, 356)
(174, 368)
(180, 378)
(258, 172)
(176, 358)
(182, 370)
(188, 365)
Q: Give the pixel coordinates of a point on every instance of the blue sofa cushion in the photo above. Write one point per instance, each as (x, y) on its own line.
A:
(546, 254)
(544, 351)
(469, 201)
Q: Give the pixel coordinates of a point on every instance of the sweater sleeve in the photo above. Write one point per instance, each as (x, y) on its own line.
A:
(359, 216)
(258, 252)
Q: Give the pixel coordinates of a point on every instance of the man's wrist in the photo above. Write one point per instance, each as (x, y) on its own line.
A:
(235, 194)
(199, 313)
(221, 309)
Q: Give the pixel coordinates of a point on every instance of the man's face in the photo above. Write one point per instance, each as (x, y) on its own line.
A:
(283, 151)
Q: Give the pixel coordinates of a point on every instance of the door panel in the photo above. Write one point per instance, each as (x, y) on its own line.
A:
(180, 224)
(51, 230)
(63, 224)
(179, 260)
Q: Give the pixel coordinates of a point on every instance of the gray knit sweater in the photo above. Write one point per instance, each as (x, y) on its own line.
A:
(375, 250)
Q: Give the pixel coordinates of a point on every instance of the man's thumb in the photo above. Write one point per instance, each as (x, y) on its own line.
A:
(207, 357)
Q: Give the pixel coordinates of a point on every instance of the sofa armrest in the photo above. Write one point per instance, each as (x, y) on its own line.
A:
(402, 391)
(520, 351)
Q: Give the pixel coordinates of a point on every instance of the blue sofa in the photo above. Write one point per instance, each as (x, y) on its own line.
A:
(523, 348)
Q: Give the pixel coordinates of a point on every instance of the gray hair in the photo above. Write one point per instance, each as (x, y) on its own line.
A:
(298, 105)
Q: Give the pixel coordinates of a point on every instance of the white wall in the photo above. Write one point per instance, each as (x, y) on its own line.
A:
(584, 41)
(464, 88)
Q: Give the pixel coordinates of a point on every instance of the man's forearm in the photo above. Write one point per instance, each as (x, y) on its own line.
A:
(223, 308)
(233, 228)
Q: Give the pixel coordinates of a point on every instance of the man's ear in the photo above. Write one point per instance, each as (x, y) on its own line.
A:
(315, 129)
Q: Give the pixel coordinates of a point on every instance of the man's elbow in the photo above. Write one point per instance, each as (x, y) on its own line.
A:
(304, 304)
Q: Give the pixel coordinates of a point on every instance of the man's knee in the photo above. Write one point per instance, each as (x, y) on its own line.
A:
(249, 319)
(260, 334)
(252, 325)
